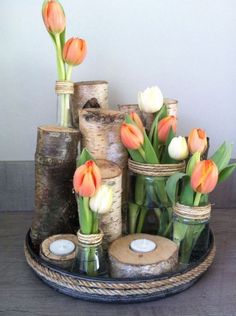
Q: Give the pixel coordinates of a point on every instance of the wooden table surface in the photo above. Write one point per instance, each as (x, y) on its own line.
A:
(22, 293)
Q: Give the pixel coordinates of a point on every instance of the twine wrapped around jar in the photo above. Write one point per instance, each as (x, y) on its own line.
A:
(147, 118)
(64, 87)
(193, 212)
(92, 239)
(155, 170)
(89, 94)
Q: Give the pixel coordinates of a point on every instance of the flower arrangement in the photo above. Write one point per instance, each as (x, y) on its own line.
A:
(151, 148)
(93, 199)
(190, 190)
(69, 53)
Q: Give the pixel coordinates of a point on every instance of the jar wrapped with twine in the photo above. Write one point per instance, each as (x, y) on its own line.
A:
(64, 90)
(89, 257)
(149, 208)
(191, 231)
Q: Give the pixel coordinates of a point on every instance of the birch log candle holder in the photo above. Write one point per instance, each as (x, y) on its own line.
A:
(63, 257)
(111, 222)
(141, 255)
(55, 163)
(89, 94)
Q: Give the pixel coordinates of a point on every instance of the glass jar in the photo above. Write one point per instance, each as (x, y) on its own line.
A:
(64, 90)
(149, 208)
(89, 258)
(191, 231)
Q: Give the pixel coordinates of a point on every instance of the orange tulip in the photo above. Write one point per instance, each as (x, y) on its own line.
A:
(164, 127)
(136, 118)
(197, 141)
(204, 177)
(131, 136)
(87, 179)
(74, 51)
(54, 17)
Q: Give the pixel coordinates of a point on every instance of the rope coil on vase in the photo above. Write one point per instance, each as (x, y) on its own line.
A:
(155, 170)
(92, 239)
(64, 87)
(193, 212)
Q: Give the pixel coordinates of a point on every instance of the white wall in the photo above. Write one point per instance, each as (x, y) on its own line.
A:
(186, 47)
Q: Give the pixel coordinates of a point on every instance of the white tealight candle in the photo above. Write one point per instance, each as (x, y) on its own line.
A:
(142, 245)
(62, 247)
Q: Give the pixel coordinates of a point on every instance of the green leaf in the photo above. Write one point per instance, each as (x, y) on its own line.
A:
(187, 194)
(165, 157)
(136, 156)
(159, 115)
(192, 163)
(129, 120)
(226, 172)
(84, 156)
(172, 184)
(204, 199)
(222, 156)
(151, 156)
(156, 142)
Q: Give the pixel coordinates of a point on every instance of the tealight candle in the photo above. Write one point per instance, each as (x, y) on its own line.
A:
(62, 247)
(143, 245)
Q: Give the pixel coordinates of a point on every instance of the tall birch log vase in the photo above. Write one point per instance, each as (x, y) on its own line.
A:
(111, 222)
(100, 132)
(88, 94)
(55, 164)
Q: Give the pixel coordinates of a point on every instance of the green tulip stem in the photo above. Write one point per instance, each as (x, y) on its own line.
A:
(197, 199)
(68, 73)
(141, 220)
(95, 223)
(154, 124)
(142, 153)
(60, 63)
(86, 228)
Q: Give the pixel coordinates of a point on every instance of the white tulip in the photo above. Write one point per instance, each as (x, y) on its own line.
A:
(150, 100)
(178, 148)
(101, 202)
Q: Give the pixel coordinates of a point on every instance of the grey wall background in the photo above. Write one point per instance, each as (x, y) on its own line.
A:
(186, 47)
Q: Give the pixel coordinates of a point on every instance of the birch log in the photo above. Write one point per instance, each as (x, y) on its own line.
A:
(88, 94)
(111, 222)
(55, 163)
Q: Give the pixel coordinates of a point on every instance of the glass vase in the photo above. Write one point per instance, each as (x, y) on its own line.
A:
(191, 231)
(149, 208)
(64, 90)
(90, 259)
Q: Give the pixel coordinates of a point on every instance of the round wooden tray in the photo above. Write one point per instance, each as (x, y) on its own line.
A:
(118, 290)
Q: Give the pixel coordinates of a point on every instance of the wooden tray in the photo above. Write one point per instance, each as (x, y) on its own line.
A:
(118, 290)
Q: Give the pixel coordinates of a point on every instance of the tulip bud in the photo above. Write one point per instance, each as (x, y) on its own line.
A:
(54, 17)
(178, 148)
(137, 120)
(204, 176)
(197, 141)
(164, 127)
(101, 202)
(150, 100)
(74, 51)
(131, 136)
(87, 179)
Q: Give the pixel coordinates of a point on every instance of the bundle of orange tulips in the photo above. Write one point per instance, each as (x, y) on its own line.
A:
(68, 54)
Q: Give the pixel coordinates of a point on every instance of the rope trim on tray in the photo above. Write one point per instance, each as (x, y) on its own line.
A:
(155, 170)
(125, 288)
(193, 212)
